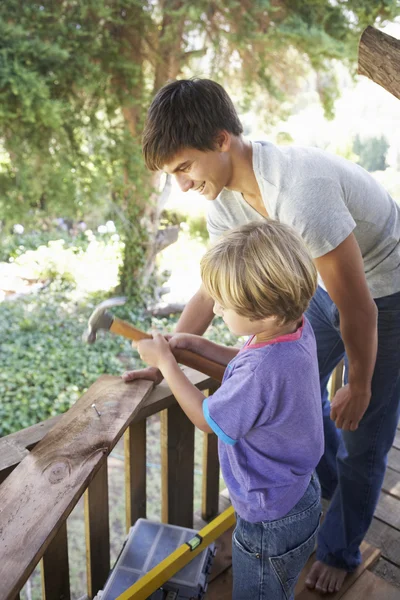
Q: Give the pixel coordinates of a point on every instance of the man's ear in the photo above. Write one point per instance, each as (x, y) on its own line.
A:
(223, 141)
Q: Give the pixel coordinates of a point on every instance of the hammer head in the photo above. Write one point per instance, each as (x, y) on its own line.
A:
(101, 319)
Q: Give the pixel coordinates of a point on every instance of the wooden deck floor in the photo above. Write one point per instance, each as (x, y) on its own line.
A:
(379, 576)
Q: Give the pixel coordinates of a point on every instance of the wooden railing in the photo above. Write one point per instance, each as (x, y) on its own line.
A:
(45, 469)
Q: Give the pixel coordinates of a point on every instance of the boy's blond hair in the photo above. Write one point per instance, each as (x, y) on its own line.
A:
(261, 270)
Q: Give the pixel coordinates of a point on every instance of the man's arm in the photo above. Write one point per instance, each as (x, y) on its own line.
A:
(197, 314)
(342, 272)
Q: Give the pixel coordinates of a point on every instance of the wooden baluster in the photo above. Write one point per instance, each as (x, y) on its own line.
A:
(337, 379)
(97, 531)
(210, 484)
(135, 472)
(177, 459)
(210, 481)
(55, 569)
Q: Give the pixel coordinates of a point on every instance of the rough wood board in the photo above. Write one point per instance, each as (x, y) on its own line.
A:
(371, 587)
(385, 570)
(221, 588)
(43, 489)
(386, 538)
(394, 459)
(388, 511)
(369, 556)
(391, 483)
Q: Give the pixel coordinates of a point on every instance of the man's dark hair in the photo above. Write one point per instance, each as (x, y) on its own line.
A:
(188, 113)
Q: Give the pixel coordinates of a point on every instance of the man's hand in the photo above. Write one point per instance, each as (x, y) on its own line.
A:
(155, 352)
(348, 408)
(150, 373)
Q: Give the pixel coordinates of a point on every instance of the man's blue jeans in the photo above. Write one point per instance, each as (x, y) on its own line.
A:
(352, 469)
(268, 557)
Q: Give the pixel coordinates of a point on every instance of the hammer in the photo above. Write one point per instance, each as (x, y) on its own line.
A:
(101, 319)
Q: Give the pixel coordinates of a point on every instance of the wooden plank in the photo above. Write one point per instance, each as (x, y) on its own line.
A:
(387, 571)
(221, 588)
(97, 531)
(210, 483)
(372, 587)
(55, 569)
(388, 511)
(42, 490)
(135, 472)
(391, 483)
(394, 460)
(386, 538)
(177, 473)
(369, 556)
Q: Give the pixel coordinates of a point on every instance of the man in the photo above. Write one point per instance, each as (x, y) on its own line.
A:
(352, 227)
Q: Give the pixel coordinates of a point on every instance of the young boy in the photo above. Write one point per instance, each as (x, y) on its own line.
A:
(267, 413)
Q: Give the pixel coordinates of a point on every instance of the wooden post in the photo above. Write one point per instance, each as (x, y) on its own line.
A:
(135, 472)
(379, 59)
(97, 531)
(177, 459)
(55, 569)
(210, 484)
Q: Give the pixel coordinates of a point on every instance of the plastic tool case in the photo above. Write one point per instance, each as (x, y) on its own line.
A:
(147, 544)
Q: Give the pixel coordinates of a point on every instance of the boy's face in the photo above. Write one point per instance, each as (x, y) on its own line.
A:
(240, 325)
(206, 173)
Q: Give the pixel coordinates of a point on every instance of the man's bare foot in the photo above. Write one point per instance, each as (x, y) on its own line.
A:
(325, 579)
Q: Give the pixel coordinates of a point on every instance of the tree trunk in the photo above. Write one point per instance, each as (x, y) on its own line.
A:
(379, 59)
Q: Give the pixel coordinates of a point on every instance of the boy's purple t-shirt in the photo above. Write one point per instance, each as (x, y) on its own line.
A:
(268, 418)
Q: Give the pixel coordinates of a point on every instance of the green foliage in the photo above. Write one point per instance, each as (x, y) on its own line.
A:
(76, 79)
(15, 244)
(371, 152)
(198, 227)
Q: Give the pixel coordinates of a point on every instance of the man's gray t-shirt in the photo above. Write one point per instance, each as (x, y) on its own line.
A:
(324, 198)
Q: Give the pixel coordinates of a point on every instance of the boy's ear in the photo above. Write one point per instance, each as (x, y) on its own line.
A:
(223, 141)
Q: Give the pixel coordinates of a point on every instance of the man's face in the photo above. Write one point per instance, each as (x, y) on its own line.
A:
(206, 173)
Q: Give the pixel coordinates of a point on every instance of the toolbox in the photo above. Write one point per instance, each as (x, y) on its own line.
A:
(147, 544)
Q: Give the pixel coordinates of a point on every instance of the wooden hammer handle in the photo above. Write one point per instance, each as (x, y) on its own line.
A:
(185, 357)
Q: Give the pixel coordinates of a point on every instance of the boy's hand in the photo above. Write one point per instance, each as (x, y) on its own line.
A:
(156, 351)
(184, 341)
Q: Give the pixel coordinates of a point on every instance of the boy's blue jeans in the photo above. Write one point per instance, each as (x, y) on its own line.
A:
(268, 557)
(352, 469)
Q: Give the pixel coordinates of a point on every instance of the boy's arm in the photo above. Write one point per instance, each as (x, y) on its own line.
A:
(196, 343)
(188, 396)
(157, 353)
